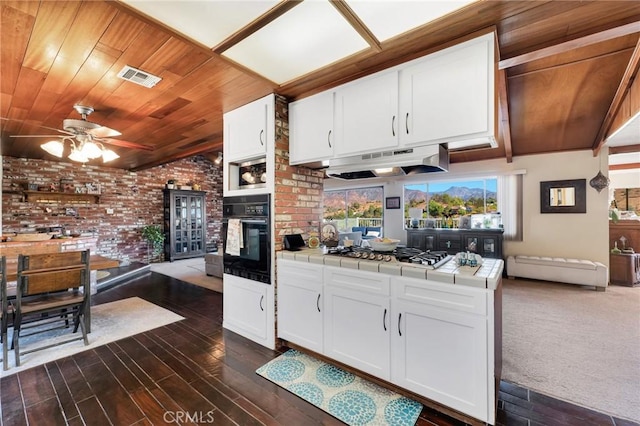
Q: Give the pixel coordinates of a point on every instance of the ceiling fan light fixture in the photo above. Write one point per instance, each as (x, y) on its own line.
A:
(77, 155)
(91, 150)
(54, 147)
(108, 155)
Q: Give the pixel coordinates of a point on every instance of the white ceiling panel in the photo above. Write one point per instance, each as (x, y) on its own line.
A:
(309, 36)
(208, 22)
(627, 134)
(387, 19)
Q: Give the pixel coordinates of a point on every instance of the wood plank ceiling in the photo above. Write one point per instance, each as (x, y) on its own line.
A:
(562, 63)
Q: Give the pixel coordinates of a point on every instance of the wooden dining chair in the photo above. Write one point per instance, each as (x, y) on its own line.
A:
(51, 287)
(4, 314)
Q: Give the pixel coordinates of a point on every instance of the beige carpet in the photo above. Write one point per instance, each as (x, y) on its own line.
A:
(109, 322)
(574, 343)
(189, 270)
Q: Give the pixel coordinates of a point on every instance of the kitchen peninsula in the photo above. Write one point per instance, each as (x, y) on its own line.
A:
(433, 333)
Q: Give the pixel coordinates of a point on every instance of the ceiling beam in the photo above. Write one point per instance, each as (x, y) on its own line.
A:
(357, 24)
(503, 108)
(624, 149)
(261, 21)
(624, 166)
(567, 46)
(623, 87)
(202, 150)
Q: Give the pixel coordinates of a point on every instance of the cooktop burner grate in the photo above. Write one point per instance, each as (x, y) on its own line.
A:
(432, 259)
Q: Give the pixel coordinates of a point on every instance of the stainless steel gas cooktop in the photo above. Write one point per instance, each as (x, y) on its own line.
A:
(414, 256)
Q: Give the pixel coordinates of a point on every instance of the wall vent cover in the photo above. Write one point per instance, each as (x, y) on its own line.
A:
(137, 76)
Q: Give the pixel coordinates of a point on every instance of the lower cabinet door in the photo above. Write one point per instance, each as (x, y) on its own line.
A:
(442, 355)
(248, 309)
(357, 330)
(300, 303)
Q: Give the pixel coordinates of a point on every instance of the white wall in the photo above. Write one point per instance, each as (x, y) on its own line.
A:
(583, 236)
(625, 178)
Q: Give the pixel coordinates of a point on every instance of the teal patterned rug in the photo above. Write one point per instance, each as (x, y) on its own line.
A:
(345, 396)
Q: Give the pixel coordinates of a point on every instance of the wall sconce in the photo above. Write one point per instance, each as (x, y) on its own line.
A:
(219, 159)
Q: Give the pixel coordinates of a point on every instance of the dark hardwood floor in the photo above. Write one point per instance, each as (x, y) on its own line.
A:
(194, 372)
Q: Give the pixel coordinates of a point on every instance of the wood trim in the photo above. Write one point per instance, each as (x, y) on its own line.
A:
(612, 33)
(624, 166)
(624, 149)
(503, 105)
(190, 153)
(258, 23)
(623, 87)
(357, 24)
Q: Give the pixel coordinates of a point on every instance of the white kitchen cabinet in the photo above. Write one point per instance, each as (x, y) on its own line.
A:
(441, 344)
(449, 95)
(367, 115)
(248, 308)
(300, 303)
(311, 135)
(248, 130)
(356, 320)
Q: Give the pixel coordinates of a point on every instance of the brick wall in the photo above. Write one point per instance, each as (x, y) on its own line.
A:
(298, 190)
(134, 197)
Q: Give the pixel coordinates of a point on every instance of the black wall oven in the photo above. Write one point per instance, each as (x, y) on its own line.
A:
(247, 221)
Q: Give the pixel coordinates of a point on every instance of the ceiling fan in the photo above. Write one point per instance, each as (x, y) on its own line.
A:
(86, 139)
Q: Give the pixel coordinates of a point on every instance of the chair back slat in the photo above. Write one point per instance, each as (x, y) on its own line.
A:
(49, 282)
(52, 272)
(51, 260)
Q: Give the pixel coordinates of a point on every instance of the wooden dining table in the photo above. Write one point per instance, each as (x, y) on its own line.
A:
(96, 262)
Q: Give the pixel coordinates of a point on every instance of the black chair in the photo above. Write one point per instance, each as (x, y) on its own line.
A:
(50, 288)
(4, 314)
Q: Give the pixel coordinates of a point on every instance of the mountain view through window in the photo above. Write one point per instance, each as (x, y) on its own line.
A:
(446, 202)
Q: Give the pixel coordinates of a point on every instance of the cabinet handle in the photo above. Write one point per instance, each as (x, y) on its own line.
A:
(261, 299)
(384, 320)
(393, 125)
(261, 141)
(318, 303)
(399, 330)
(329, 138)
(406, 123)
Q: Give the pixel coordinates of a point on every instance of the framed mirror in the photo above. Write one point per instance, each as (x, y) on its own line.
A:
(563, 196)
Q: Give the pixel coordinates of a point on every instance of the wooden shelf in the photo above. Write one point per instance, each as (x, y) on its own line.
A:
(57, 197)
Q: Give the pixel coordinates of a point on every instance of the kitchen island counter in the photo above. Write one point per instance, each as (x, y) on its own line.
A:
(487, 275)
(436, 333)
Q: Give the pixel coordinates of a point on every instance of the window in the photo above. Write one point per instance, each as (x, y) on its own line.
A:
(441, 204)
(354, 207)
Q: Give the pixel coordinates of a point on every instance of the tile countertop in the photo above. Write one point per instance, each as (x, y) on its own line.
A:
(488, 275)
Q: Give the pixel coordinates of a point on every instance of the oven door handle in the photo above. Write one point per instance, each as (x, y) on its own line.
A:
(258, 221)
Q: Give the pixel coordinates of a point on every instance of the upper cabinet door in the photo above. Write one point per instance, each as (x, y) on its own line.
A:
(311, 135)
(367, 115)
(449, 95)
(246, 130)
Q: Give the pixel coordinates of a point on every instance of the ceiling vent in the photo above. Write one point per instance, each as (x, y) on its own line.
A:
(137, 76)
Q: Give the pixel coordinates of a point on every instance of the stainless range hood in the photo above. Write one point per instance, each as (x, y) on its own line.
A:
(400, 162)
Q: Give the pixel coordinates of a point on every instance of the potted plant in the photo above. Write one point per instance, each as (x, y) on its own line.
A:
(155, 240)
(171, 184)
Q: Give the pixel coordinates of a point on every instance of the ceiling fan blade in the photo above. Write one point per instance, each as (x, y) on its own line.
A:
(37, 136)
(125, 144)
(26, 123)
(103, 132)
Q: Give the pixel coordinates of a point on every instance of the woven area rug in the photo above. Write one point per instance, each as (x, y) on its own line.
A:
(109, 322)
(345, 396)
